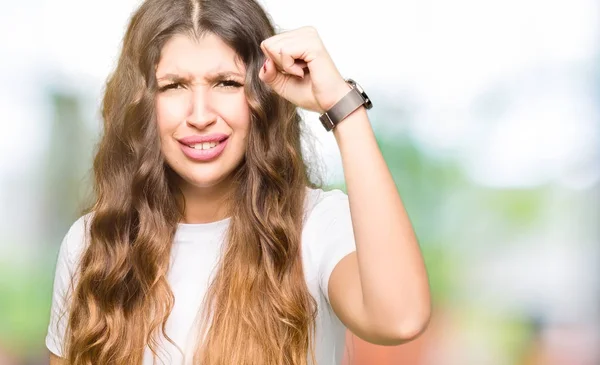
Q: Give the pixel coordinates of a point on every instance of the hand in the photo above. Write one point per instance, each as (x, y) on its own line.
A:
(299, 68)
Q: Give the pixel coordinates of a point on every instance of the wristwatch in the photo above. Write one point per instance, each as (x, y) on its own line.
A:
(353, 100)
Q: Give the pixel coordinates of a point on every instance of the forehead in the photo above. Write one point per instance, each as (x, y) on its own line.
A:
(198, 56)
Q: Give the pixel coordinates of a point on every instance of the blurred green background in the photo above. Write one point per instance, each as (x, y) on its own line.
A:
(487, 114)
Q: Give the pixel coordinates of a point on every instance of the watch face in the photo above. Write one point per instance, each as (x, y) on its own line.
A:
(368, 104)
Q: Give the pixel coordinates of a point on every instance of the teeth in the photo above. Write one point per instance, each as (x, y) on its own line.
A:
(204, 146)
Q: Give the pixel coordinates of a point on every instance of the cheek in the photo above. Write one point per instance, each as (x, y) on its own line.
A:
(170, 112)
(237, 113)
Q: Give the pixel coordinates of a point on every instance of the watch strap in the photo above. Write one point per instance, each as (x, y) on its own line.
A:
(349, 103)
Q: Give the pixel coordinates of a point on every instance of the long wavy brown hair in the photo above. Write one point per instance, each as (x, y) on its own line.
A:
(258, 309)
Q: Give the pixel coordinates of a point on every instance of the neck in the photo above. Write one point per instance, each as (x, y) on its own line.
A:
(206, 204)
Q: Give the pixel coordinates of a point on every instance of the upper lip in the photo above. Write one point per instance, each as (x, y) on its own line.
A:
(216, 137)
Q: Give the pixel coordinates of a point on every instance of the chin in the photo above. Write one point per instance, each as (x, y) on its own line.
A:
(203, 183)
(204, 180)
(202, 176)
(207, 177)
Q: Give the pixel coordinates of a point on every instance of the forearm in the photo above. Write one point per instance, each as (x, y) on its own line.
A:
(392, 273)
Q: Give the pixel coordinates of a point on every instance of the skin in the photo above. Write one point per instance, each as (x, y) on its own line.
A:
(381, 291)
(194, 100)
(55, 360)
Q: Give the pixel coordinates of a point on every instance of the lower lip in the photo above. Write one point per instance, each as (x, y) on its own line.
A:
(204, 155)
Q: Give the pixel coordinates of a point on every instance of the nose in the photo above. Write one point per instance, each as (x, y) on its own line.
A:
(201, 113)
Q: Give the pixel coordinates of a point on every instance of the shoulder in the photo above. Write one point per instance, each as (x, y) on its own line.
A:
(328, 234)
(65, 276)
(319, 201)
(325, 209)
(76, 239)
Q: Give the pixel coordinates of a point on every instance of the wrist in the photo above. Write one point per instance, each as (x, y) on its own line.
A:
(336, 94)
(352, 98)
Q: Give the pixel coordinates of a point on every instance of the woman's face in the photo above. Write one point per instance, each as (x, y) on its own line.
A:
(201, 98)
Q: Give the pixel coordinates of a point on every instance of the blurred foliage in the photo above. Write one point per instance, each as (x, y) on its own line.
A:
(68, 164)
(520, 208)
(25, 307)
(25, 304)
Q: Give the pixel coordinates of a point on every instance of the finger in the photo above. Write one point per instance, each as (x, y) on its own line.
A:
(269, 74)
(281, 83)
(268, 50)
(274, 49)
(289, 65)
(284, 60)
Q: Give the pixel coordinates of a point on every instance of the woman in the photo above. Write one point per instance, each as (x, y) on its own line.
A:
(207, 242)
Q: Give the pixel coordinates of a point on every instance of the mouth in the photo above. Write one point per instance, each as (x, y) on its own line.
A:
(205, 151)
(205, 145)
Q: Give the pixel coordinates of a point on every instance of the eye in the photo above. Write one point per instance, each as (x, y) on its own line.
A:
(175, 85)
(229, 84)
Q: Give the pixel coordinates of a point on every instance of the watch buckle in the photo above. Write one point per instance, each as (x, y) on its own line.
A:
(326, 121)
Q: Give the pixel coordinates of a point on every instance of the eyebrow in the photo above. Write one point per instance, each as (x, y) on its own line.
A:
(211, 76)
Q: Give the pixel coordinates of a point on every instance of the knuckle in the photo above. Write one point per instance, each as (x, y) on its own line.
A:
(267, 43)
(311, 29)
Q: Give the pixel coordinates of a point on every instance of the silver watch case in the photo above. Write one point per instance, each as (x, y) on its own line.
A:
(354, 99)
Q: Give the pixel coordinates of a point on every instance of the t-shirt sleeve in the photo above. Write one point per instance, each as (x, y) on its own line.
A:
(335, 235)
(68, 255)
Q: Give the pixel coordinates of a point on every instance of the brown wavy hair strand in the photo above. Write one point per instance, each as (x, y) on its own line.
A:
(258, 309)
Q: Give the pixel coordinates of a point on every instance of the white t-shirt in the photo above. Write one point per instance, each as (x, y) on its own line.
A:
(327, 237)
